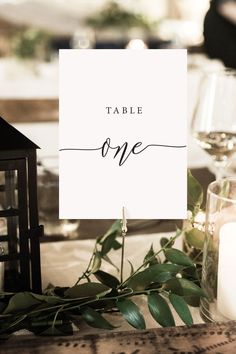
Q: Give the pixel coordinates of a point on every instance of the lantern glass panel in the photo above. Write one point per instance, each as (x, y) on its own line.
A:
(12, 248)
(13, 232)
(2, 190)
(3, 226)
(8, 190)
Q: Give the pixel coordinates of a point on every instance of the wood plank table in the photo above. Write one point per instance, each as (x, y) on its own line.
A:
(215, 338)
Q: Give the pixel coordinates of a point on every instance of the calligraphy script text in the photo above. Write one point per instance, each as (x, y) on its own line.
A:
(124, 151)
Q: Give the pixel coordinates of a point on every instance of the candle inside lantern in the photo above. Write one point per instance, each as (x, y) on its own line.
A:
(226, 288)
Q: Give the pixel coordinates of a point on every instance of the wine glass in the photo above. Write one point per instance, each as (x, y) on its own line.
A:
(214, 118)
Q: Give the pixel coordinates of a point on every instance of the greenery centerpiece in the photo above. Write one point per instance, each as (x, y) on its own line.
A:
(113, 15)
(115, 20)
(165, 276)
(31, 44)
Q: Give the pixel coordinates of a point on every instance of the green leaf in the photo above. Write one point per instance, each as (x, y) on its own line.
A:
(195, 238)
(94, 319)
(116, 245)
(160, 310)
(97, 260)
(149, 258)
(169, 242)
(174, 286)
(163, 277)
(178, 257)
(107, 279)
(142, 280)
(87, 290)
(163, 241)
(108, 260)
(107, 244)
(20, 302)
(131, 313)
(53, 300)
(190, 272)
(195, 194)
(181, 308)
(184, 287)
(190, 288)
(115, 228)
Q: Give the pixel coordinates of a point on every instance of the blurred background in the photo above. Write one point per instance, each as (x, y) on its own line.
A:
(33, 31)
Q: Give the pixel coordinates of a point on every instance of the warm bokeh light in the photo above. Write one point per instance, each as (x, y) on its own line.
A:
(136, 44)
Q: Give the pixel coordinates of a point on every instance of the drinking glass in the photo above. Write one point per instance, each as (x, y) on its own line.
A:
(219, 260)
(214, 118)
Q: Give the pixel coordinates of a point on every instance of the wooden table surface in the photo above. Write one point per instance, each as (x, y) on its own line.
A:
(218, 338)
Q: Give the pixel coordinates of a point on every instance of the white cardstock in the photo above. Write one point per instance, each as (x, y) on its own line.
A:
(123, 134)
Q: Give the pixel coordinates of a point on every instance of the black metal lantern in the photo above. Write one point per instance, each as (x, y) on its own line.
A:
(19, 226)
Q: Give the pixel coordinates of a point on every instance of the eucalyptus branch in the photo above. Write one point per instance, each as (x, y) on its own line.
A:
(98, 299)
(124, 295)
(172, 239)
(71, 306)
(39, 312)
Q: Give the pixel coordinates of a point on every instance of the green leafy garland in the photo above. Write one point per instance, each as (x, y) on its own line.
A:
(173, 279)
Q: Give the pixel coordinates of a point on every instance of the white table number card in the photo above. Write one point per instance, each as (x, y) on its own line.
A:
(123, 134)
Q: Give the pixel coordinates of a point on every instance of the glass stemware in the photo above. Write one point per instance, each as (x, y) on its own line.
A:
(214, 119)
